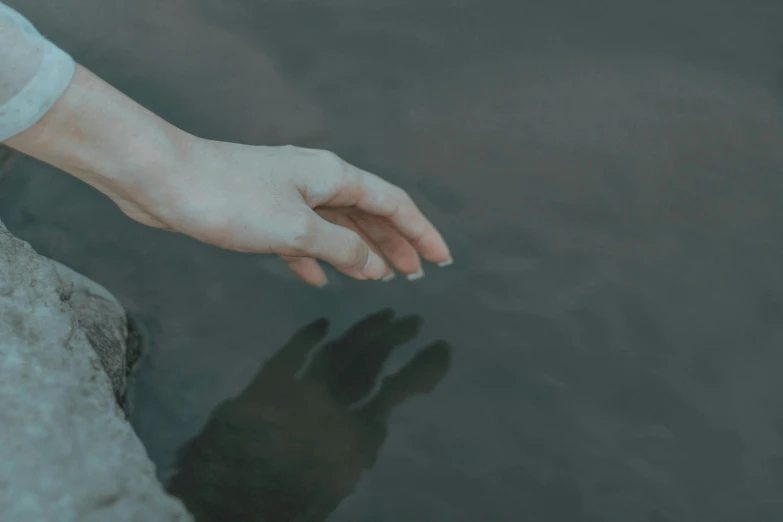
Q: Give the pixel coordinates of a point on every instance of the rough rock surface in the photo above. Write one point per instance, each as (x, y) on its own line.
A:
(67, 452)
(103, 320)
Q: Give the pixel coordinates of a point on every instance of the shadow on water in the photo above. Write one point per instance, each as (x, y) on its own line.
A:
(294, 443)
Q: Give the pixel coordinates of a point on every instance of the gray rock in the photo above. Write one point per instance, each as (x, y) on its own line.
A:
(103, 320)
(66, 451)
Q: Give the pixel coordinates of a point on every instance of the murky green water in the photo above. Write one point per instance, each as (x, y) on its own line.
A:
(607, 346)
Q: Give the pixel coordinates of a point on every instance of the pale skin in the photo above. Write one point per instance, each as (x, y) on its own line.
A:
(302, 204)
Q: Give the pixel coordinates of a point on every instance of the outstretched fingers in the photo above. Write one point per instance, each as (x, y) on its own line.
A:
(380, 198)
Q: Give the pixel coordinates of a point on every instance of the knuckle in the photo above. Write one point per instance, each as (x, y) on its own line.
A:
(332, 163)
(330, 157)
(396, 200)
(358, 258)
(357, 253)
(402, 197)
(301, 233)
(289, 152)
(360, 253)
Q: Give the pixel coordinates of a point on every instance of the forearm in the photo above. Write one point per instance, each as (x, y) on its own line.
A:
(56, 111)
(102, 137)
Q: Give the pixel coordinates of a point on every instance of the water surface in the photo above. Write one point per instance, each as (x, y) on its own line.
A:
(607, 345)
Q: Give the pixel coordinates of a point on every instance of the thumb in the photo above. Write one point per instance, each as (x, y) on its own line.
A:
(342, 248)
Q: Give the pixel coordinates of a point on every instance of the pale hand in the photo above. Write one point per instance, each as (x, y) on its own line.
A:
(301, 204)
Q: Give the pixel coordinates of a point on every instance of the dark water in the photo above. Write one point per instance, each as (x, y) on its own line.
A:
(607, 346)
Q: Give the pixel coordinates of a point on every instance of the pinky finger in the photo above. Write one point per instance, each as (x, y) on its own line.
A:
(307, 269)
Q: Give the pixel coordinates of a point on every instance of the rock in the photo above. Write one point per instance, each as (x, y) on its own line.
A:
(67, 452)
(102, 318)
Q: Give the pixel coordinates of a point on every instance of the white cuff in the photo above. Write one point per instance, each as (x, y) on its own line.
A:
(26, 108)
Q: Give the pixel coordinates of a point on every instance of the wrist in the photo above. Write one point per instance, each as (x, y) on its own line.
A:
(99, 135)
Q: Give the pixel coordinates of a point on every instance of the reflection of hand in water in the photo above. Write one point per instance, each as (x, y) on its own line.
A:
(297, 439)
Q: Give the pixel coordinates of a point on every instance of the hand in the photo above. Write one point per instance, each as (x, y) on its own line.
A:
(291, 447)
(298, 203)
(301, 204)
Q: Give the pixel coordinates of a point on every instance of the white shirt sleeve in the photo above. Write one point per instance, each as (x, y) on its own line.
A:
(34, 73)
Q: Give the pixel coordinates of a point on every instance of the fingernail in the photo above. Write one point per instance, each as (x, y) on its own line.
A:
(374, 265)
(388, 277)
(418, 274)
(447, 262)
(323, 284)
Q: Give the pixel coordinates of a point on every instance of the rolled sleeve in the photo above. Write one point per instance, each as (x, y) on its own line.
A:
(34, 73)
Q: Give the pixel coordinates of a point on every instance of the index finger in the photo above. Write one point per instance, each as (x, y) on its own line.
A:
(380, 198)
